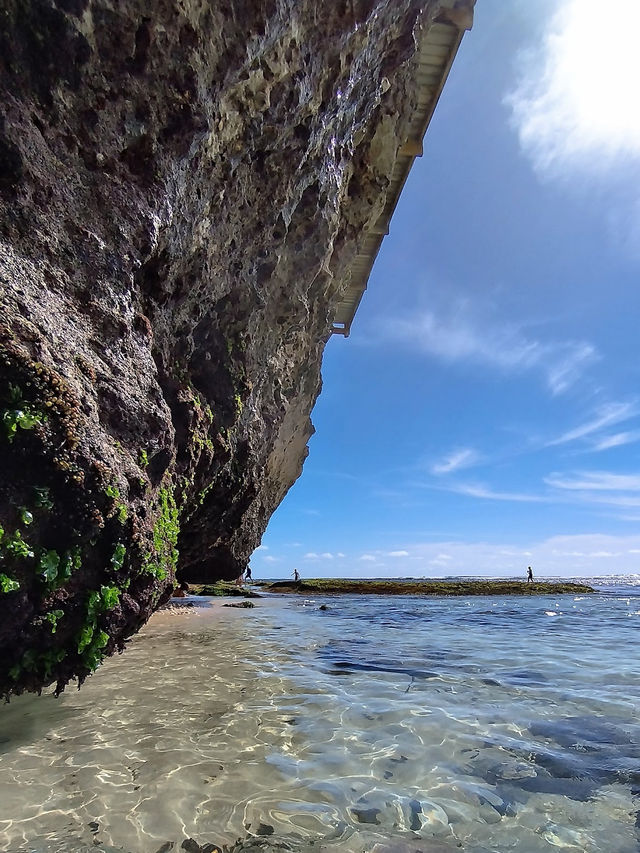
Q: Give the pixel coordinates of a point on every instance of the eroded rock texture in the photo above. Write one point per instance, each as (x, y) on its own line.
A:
(182, 186)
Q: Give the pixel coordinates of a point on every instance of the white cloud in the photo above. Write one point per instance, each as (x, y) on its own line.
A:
(457, 459)
(477, 490)
(570, 555)
(270, 559)
(398, 554)
(326, 555)
(262, 548)
(619, 439)
(340, 554)
(575, 104)
(596, 480)
(599, 488)
(456, 336)
(558, 556)
(611, 500)
(440, 560)
(567, 368)
(607, 415)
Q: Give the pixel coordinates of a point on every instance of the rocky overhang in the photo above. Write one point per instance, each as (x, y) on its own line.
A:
(184, 185)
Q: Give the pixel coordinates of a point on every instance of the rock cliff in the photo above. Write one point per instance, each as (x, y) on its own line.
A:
(183, 184)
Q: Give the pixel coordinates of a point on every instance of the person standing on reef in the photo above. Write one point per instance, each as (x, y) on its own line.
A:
(296, 575)
(247, 574)
(529, 575)
(240, 579)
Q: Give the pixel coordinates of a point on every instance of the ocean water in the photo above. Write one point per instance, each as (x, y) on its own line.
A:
(379, 724)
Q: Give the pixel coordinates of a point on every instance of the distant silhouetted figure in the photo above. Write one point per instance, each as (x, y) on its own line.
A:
(529, 575)
(247, 574)
(296, 575)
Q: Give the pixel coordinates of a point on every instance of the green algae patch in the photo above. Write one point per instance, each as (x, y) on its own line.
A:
(331, 586)
(222, 588)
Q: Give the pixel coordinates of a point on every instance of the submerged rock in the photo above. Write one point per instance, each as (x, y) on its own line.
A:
(183, 189)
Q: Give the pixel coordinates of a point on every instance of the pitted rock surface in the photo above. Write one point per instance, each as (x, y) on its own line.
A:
(183, 185)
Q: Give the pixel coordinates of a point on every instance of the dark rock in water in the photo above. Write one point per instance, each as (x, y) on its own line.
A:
(352, 666)
(264, 829)
(256, 843)
(582, 732)
(416, 810)
(241, 604)
(192, 846)
(527, 676)
(184, 189)
(364, 815)
(422, 845)
(581, 790)
(166, 847)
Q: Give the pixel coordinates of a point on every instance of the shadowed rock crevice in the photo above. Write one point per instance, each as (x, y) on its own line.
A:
(183, 189)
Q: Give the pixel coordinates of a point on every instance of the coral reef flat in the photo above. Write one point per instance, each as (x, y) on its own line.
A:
(334, 586)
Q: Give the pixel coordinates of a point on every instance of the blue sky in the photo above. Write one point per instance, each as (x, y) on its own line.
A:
(484, 414)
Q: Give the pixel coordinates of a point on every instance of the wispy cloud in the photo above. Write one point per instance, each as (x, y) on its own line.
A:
(561, 555)
(565, 368)
(607, 415)
(596, 481)
(477, 490)
(441, 560)
(397, 554)
(457, 336)
(454, 461)
(619, 439)
(611, 500)
(598, 489)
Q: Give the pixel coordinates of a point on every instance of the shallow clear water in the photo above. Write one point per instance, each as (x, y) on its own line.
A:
(475, 724)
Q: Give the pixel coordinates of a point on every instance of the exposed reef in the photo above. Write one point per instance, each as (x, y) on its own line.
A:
(183, 185)
(335, 586)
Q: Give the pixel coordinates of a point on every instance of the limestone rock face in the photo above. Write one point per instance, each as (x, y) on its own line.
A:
(183, 184)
